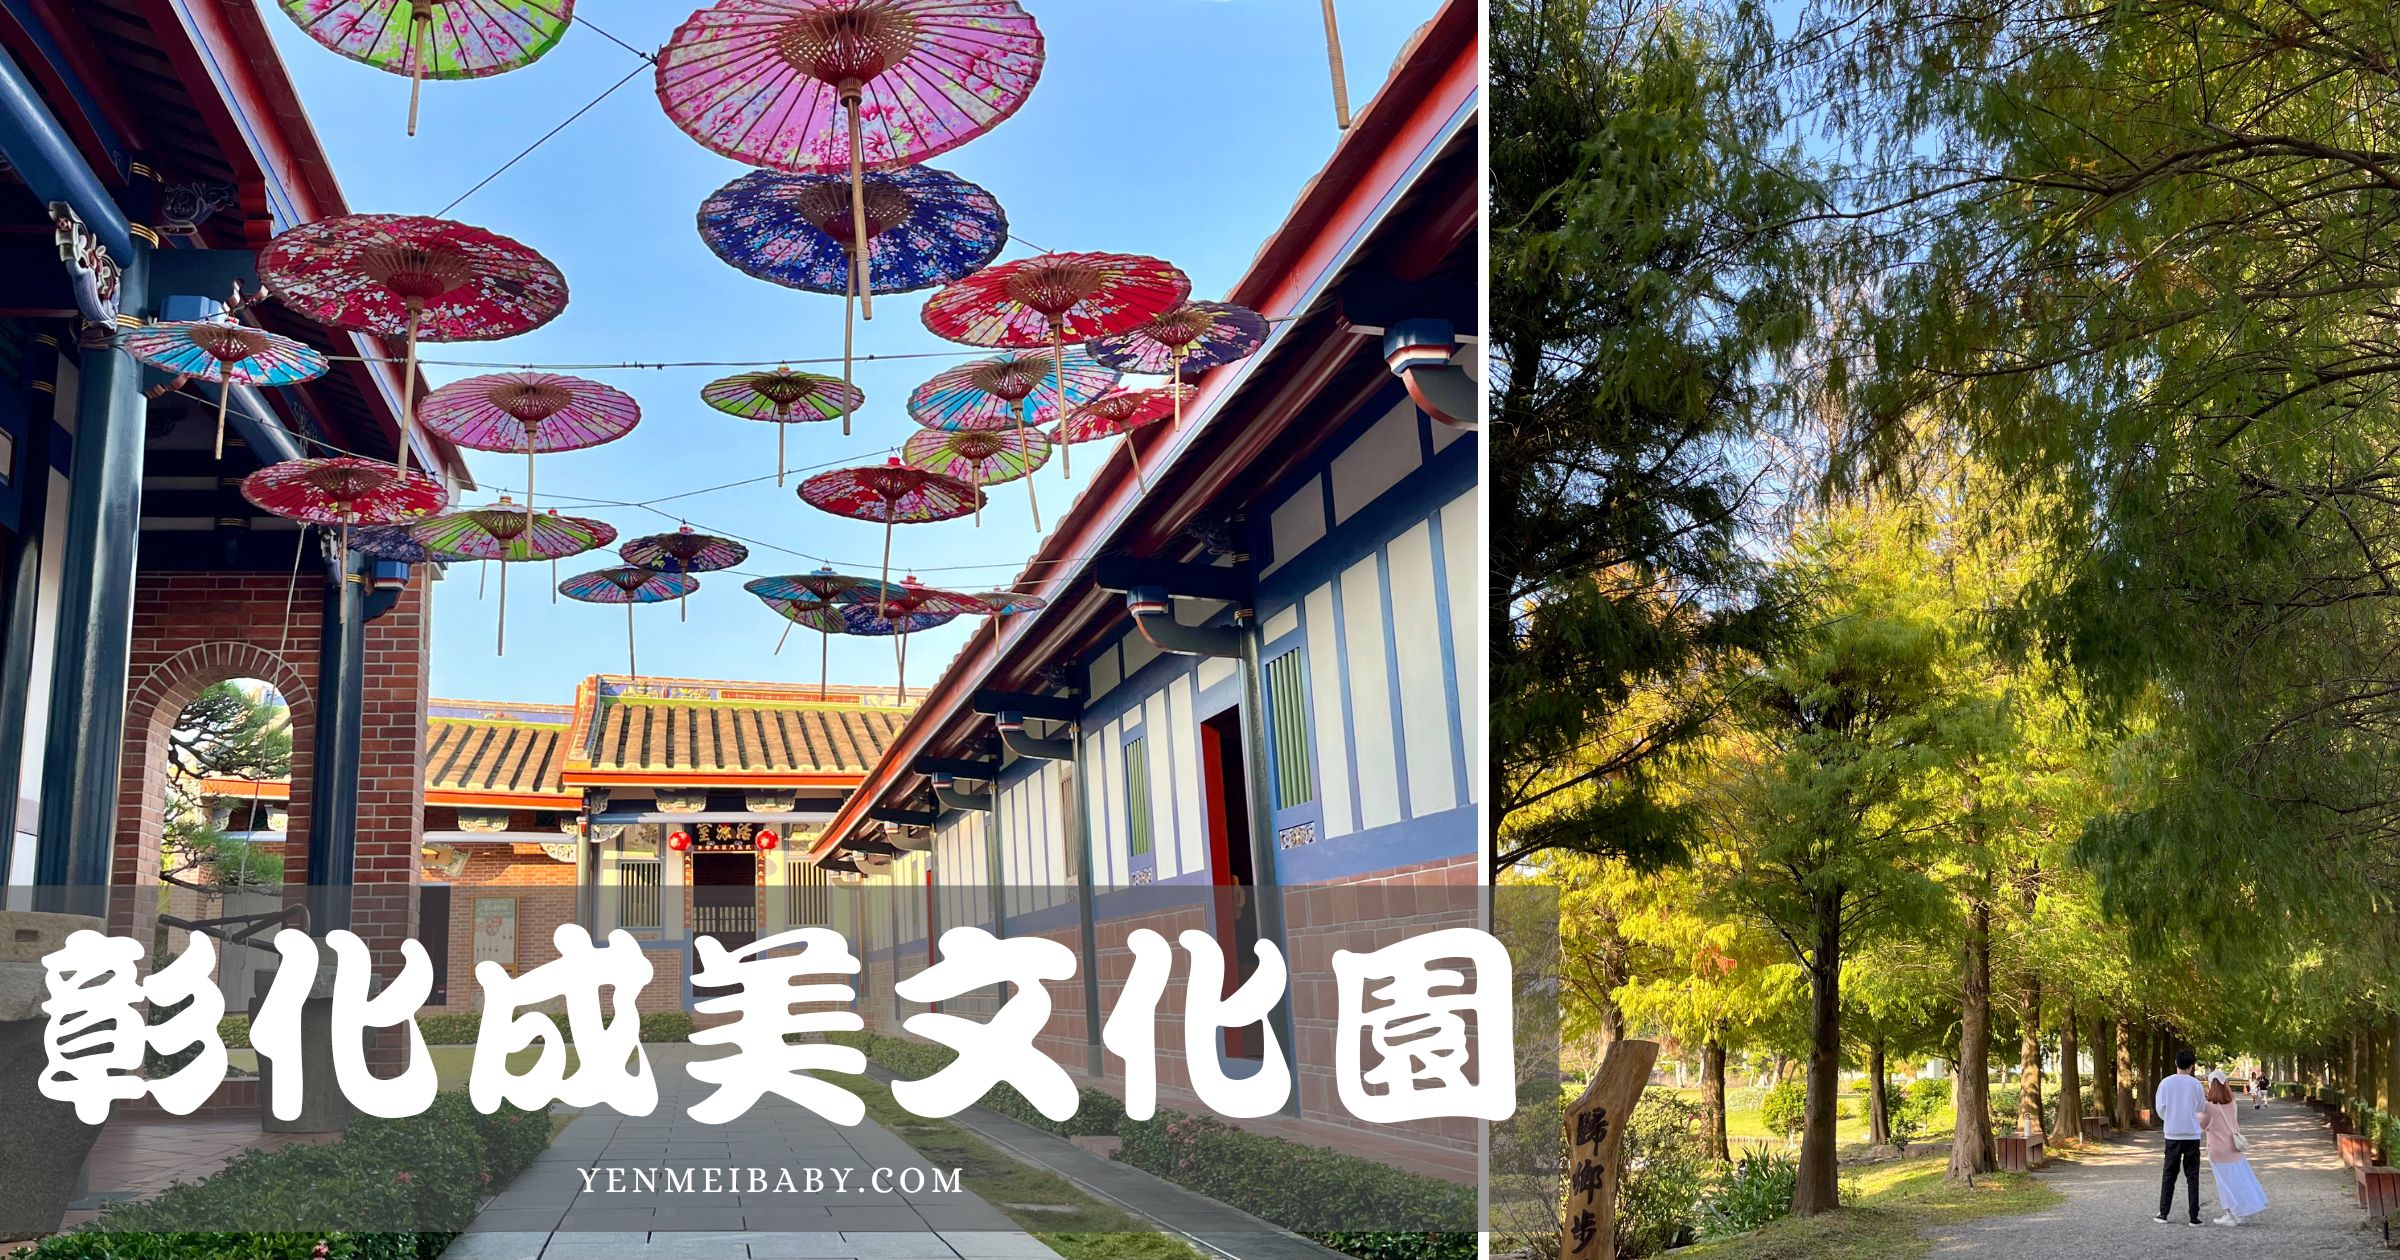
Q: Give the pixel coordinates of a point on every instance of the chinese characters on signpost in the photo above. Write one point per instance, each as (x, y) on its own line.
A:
(1434, 1010)
(1595, 1138)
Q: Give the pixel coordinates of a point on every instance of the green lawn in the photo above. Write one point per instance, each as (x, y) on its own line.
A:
(1850, 1130)
(1069, 1222)
(1897, 1202)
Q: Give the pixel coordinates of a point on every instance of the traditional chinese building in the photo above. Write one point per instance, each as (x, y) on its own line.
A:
(151, 146)
(699, 799)
(1247, 708)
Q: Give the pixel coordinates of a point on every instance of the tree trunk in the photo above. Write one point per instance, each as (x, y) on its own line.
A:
(1879, 1116)
(2144, 1086)
(1612, 977)
(1712, 1095)
(1819, 1188)
(2069, 1125)
(2029, 1060)
(2108, 1056)
(1971, 1140)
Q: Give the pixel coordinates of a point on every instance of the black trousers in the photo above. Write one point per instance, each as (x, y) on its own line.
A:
(2186, 1153)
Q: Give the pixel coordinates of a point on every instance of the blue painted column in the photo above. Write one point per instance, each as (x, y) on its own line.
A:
(333, 771)
(21, 573)
(95, 610)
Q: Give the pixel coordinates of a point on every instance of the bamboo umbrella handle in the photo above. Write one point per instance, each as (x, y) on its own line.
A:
(420, 46)
(858, 203)
(849, 293)
(1058, 391)
(1333, 55)
(500, 648)
(904, 667)
(824, 662)
(632, 670)
(1032, 497)
(779, 460)
(224, 395)
(787, 633)
(408, 384)
(529, 485)
(1136, 452)
(883, 585)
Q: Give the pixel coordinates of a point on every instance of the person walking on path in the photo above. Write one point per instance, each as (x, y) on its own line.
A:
(2178, 1106)
(2221, 1124)
(2258, 1087)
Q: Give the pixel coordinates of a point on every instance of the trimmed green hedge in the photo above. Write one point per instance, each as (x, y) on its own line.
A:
(458, 1028)
(1305, 1189)
(387, 1190)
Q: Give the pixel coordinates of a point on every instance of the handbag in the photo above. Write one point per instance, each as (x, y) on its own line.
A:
(2240, 1143)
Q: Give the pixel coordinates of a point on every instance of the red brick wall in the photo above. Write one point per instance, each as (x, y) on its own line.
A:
(191, 630)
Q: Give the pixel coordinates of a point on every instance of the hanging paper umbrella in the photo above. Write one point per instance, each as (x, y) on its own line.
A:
(228, 353)
(867, 622)
(342, 492)
(981, 457)
(924, 228)
(1122, 411)
(823, 586)
(628, 585)
(1185, 342)
(825, 619)
(529, 412)
(501, 532)
(783, 397)
(684, 551)
(394, 542)
(1056, 298)
(809, 86)
(1008, 604)
(434, 39)
(893, 494)
(410, 276)
(1007, 389)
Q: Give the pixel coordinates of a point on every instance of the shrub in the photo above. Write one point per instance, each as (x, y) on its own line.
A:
(1785, 1108)
(449, 1028)
(661, 1027)
(1667, 1171)
(1759, 1189)
(234, 1031)
(387, 1190)
(1306, 1189)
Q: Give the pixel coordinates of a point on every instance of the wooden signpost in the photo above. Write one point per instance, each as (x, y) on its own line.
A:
(1595, 1141)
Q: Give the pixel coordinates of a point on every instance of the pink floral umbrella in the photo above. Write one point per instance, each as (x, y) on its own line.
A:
(529, 412)
(1121, 411)
(807, 86)
(1056, 298)
(628, 585)
(407, 275)
(685, 551)
(1185, 342)
(893, 494)
(343, 492)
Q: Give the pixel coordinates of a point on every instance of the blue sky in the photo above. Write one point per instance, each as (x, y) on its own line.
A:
(1178, 128)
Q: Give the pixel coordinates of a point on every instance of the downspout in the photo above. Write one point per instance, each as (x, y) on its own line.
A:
(1267, 882)
(1154, 615)
(952, 798)
(333, 775)
(1014, 739)
(1419, 352)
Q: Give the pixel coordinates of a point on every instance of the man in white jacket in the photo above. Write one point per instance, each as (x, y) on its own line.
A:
(2178, 1107)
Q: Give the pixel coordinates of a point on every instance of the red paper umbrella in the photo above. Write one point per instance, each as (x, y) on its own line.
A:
(342, 492)
(411, 276)
(783, 397)
(628, 585)
(1054, 299)
(981, 457)
(1122, 411)
(530, 412)
(894, 494)
(816, 85)
(1192, 338)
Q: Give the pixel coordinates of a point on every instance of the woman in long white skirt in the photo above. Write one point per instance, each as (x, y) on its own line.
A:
(2238, 1191)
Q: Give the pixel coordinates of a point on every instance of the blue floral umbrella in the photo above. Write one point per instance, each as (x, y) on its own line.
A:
(924, 228)
(868, 621)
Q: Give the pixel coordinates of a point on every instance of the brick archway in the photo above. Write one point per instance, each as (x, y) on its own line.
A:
(156, 699)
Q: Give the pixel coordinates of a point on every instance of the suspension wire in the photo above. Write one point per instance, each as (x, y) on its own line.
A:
(588, 107)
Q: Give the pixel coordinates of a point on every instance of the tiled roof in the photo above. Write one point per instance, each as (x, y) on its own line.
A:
(739, 737)
(487, 755)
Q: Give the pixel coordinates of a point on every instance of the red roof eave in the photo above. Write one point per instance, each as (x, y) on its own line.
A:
(1438, 74)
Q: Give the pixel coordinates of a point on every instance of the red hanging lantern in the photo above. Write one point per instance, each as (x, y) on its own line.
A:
(766, 841)
(680, 841)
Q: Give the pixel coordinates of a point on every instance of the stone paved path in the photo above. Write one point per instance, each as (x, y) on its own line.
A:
(2112, 1195)
(548, 1214)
